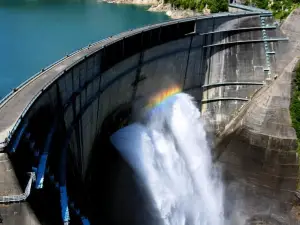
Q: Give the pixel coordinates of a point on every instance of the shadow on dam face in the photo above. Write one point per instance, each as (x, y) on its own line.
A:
(110, 192)
(116, 196)
(69, 112)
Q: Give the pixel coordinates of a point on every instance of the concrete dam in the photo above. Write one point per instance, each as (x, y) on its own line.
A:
(58, 166)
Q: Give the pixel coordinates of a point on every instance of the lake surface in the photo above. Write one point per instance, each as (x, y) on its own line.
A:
(36, 33)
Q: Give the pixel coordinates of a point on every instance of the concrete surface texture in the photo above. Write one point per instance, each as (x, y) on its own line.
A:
(258, 146)
(258, 150)
(9, 185)
(221, 60)
(286, 51)
(291, 28)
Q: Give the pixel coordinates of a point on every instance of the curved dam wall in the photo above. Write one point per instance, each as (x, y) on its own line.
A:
(51, 123)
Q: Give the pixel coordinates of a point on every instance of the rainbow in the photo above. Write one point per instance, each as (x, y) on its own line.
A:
(162, 96)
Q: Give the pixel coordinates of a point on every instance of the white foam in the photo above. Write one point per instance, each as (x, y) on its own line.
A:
(171, 157)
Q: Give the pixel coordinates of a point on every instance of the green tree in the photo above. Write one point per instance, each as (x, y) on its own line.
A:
(223, 5)
(295, 104)
(214, 5)
(247, 2)
(262, 4)
(200, 6)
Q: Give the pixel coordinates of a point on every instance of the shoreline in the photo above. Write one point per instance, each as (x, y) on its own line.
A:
(159, 6)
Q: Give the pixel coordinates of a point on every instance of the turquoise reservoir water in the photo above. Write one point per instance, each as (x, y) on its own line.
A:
(35, 33)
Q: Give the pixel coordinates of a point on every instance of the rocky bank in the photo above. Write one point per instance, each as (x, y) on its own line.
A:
(160, 6)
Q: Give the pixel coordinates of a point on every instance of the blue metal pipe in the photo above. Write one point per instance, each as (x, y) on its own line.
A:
(63, 180)
(85, 221)
(63, 190)
(18, 138)
(43, 159)
(64, 204)
(41, 171)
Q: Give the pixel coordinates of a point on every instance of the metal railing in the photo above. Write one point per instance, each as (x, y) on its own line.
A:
(224, 99)
(247, 41)
(249, 8)
(20, 197)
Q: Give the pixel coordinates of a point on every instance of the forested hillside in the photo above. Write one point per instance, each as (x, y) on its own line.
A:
(213, 5)
(280, 8)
